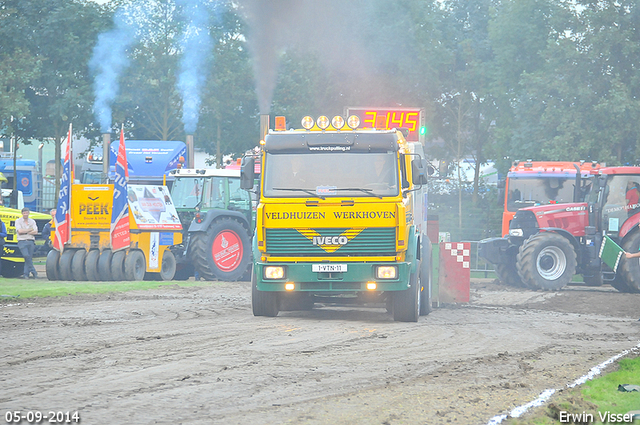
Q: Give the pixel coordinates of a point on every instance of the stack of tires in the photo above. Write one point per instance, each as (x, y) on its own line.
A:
(95, 265)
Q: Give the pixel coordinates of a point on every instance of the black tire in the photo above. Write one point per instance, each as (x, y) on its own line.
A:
(229, 268)
(91, 265)
(104, 265)
(168, 268)
(52, 267)
(406, 304)
(546, 261)
(78, 266)
(425, 278)
(65, 264)
(117, 266)
(12, 269)
(629, 268)
(263, 303)
(135, 265)
(508, 274)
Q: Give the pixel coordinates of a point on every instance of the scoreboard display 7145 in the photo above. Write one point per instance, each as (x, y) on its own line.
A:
(388, 118)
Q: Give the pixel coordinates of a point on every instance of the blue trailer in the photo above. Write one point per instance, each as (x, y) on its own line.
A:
(26, 178)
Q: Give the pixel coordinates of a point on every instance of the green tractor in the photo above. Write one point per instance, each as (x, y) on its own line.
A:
(217, 218)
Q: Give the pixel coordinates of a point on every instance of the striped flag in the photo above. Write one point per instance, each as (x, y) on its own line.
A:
(63, 217)
(120, 237)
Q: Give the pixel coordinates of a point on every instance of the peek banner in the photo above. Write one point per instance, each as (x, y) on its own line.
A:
(120, 236)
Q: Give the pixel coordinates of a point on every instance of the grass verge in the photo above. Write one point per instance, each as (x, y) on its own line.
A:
(591, 402)
(12, 289)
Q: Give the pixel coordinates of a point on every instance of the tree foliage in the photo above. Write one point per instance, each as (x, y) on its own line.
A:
(500, 80)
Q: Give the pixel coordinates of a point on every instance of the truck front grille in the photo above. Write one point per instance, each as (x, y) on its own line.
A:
(373, 241)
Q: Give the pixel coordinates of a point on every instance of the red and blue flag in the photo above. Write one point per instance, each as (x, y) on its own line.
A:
(120, 236)
(63, 217)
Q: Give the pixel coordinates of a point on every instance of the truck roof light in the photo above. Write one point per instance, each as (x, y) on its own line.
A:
(337, 122)
(307, 122)
(353, 122)
(281, 123)
(323, 122)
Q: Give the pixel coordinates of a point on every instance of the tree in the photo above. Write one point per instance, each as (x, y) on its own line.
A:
(60, 34)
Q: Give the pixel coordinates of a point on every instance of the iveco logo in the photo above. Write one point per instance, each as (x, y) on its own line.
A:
(330, 240)
(330, 244)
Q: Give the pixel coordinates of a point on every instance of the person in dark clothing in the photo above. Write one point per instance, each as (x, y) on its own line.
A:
(3, 234)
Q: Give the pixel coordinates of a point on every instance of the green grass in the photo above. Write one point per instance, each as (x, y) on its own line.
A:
(599, 395)
(603, 392)
(10, 289)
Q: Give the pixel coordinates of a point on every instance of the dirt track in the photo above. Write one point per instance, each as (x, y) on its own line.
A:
(198, 356)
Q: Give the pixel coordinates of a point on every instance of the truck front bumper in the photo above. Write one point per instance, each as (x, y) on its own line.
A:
(353, 280)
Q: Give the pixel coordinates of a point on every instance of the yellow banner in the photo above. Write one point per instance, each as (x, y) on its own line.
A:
(91, 206)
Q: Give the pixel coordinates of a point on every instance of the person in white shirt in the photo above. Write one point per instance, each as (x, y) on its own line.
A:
(26, 231)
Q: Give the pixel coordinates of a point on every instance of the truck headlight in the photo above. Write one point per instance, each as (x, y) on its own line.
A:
(386, 272)
(273, 272)
(516, 232)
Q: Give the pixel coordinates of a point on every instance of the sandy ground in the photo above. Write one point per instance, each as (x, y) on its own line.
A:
(198, 356)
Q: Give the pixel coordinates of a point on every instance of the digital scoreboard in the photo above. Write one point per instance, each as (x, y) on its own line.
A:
(389, 118)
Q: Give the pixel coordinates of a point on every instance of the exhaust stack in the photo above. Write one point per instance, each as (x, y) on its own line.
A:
(264, 125)
(106, 148)
(190, 154)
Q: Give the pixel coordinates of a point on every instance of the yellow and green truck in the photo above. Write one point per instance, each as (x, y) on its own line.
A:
(341, 218)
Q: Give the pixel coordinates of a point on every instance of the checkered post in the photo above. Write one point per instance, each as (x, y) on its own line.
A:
(455, 272)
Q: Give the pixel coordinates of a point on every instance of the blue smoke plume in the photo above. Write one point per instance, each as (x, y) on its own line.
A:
(196, 48)
(107, 63)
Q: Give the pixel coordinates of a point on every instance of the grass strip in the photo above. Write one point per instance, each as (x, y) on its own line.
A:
(596, 399)
(12, 289)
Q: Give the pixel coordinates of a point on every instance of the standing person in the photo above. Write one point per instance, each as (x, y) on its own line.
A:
(3, 234)
(26, 230)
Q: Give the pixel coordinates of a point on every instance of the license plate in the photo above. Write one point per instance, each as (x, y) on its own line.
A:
(329, 268)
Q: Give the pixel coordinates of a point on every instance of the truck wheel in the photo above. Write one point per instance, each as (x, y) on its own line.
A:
(104, 265)
(425, 279)
(168, 268)
(135, 266)
(406, 304)
(263, 303)
(51, 266)
(65, 264)
(91, 265)
(223, 252)
(546, 261)
(77, 265)
(117, 266)
(629, 269)
(508, 275)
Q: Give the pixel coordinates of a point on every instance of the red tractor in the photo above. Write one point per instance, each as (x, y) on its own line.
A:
(548, 244)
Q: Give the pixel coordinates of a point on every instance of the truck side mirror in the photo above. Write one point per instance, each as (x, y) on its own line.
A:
(247, 172)
(419, 171)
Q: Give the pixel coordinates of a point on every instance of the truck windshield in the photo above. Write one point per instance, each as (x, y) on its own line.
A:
(331, 174)
(526, 191)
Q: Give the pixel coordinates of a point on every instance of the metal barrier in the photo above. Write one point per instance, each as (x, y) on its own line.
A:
(478, 264)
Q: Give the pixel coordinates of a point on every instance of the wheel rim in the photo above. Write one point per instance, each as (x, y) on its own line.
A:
(227, 250)
(551, 263)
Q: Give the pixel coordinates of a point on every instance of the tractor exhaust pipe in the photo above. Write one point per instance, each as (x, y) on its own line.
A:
(106, 147)
(190, 152)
